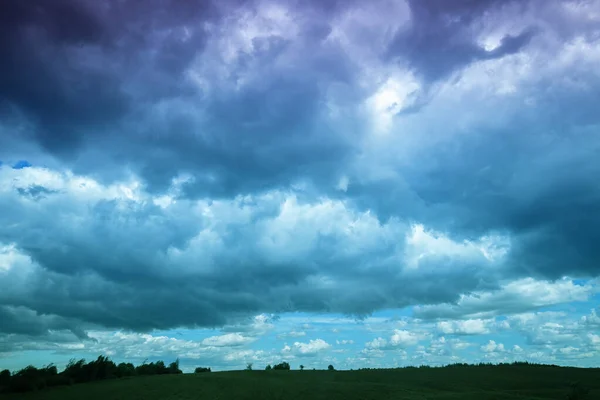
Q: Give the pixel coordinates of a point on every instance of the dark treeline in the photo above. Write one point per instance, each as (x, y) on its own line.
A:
(31, 378)
(477, 365)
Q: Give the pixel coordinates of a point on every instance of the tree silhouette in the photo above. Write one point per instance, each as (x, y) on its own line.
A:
(283, 366)
(174, 367)
(4, 378)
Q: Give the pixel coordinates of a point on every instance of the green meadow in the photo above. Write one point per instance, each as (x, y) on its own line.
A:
(483, 382)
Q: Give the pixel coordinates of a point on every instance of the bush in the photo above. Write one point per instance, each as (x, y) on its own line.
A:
(125, 369)
(330, 368)
(174, 367)
(4, 378)
(99, 369)
(284, 366)
(268, 367)
(200, 370)
(154, 368)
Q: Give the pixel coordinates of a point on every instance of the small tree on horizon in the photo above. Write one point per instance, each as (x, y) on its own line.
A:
(285, 366)
(268, 368)
(249, 367)
(302, 368)
(330, 368)
(174, 367)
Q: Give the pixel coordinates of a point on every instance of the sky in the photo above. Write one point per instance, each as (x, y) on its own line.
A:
(363, 184)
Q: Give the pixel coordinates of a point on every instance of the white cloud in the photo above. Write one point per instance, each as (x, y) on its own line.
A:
(393, 96)
(227, 340)
(377, 343)
(404, 338)
(245, 355)
(493, 347)
(594, 339)
(135, 346)
(11, 257)
(310, 349)
(591, 320)
(399, 339)
(467, 327)
(513, 297)
(343, 184)
(517, 349)
(423, 244)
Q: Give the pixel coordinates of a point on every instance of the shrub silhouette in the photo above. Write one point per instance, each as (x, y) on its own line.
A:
(174, 367)
(4, 378)
(283, 366)
(125, 369)
(154, 368)
(330, 368)
(200, 370)
(268, 367)
(99, 369)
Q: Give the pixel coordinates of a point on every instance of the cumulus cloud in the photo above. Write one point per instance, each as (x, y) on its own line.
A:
(591, 320)
(399, 339)
(467, 327)
(493, 347)
(310, 349)
(516, 296)
(227, 340)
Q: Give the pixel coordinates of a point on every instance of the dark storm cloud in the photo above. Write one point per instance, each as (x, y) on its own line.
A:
(90, 87)
(542, 191)
(68, 62)
(157, 274)
(37, 78)
(176, 88)
(23, 321)
(440, 39)
(142, 284)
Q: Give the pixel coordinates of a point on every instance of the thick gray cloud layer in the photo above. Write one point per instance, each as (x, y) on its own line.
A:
(234, 158)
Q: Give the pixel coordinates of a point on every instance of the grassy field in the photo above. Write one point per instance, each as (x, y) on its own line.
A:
(464, 383)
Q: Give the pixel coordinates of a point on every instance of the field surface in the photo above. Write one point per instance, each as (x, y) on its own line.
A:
(466, 383)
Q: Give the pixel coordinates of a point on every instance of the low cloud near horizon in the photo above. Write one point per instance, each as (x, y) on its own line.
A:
(359, 183)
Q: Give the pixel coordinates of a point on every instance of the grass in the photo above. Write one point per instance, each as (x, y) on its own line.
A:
(454, 383)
